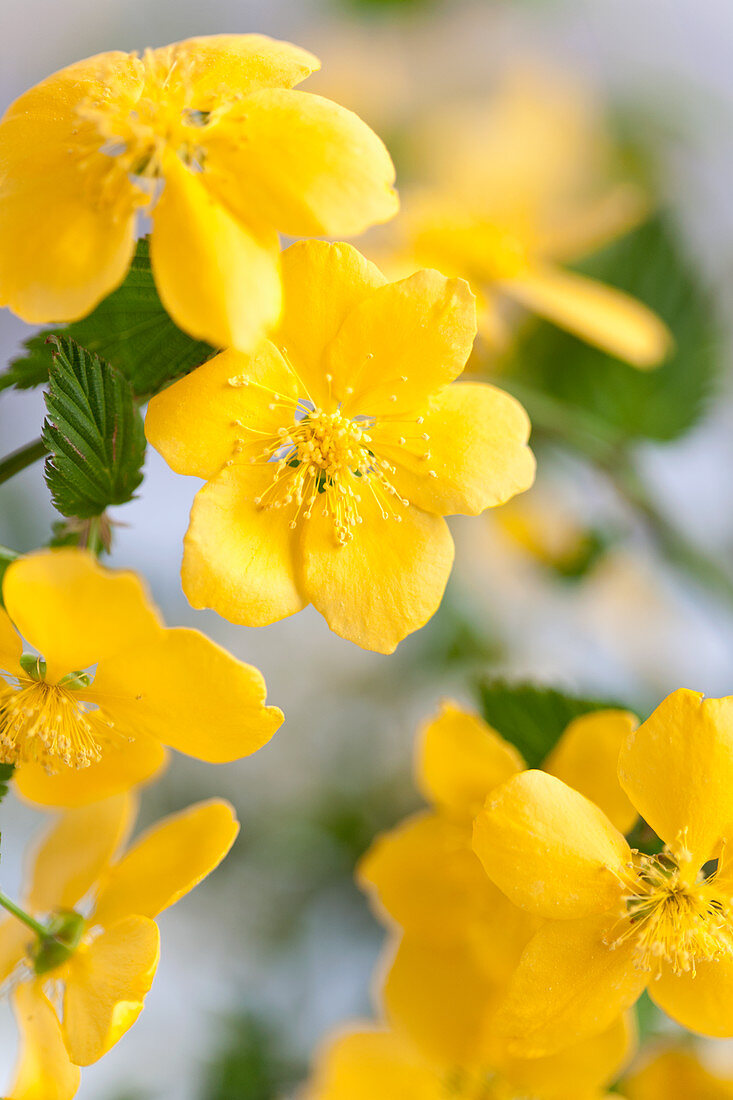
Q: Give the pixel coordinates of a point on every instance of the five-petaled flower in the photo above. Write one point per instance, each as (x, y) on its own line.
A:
(78, 989)
(619, 921)
(91, 714)
(335, 451)
(207, 135)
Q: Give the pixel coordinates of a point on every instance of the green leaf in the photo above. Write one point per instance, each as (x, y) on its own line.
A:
(533, 718)
(130, 329)
(627, 404)
(6, 774)
(93, 432)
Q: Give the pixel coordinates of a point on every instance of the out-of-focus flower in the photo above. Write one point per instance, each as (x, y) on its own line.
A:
(516, 188)
(617, 921)
(207, 135)
(99, 956)
(335, 451)
(423, 873)
(676, 1074)
(540, 526)
(112, 686)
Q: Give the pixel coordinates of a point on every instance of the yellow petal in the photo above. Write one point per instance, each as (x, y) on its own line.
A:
(460, 759)
(322, 283)
(602, 315)
(218, 277)
(120, 769)
(11, 647)
(301, 163)
(403, 343)
(190, 694)
(199, 421)
(569, 986)
(106, 985)
(589, 1065)
(239, 559)
(383, 584)
(16, 939)
(370, 1062)
(549, 849)
(73, 610)
(439, 999)
(593, 223)
(76, 851)
(423, 875)
(168, 861)
(44, 1071)
(68, 236)
(700, 999)
(475, 438)
(218, 65)
(586, 758)
(676, 1075)
(677, 769)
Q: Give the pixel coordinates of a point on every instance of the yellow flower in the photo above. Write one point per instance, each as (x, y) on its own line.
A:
(618, 921)
(423, 874)
(519, 188)
(100, 957)
(676, 1074)
(209, 137)
(333, 453)
(90, 717)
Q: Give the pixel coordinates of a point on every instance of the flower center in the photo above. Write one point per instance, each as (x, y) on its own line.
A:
(672, 920)
(326, 456)
(135, 131)
(49, 724)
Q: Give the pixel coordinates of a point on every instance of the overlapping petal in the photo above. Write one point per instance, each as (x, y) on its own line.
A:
(167, 862)
(218, 65)
(369, 1062)
(699, 999)
(44, 1071)
(549, 849)
(383, 584)
(676, 1075)
(106, 984)
(11, 647)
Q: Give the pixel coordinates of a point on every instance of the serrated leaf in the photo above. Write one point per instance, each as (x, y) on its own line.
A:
(130, 329)
(93, 432)
(533, 718)
(627, 404)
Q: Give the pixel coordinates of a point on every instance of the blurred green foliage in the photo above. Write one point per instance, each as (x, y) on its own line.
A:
(251, 1063)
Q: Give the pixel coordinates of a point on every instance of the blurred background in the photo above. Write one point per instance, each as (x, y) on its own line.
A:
(611, 578)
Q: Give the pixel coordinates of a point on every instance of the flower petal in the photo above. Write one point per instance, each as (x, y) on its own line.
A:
(73, 610)
(369, 1062)
(120, 769)
(11, 646)
(168, 861)
(589, 1065)
(475, 442)
(700, 999)
(218, 277)
(423, 875)
(322, 283)
(200, 421)
(16, 939)
(68, 237)
(302, 164)
(440, 999)
(569, 986)
(460, 759)
(586, 758)
(238, 558)
(190, 694)
(403, 343)
(549, 849)
(106, 984)
(676, 1075)
(44, 1071)
(76, 851)
(221, 65)
(602, 315)
(677, 769)
(383, 584)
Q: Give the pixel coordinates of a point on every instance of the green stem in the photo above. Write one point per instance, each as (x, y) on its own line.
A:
(13, 463)
(21, 914)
